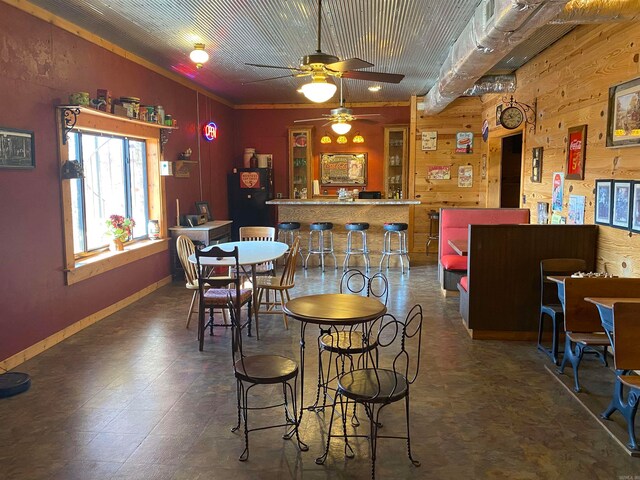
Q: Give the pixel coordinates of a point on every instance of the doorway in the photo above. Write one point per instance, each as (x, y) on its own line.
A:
(511, 171)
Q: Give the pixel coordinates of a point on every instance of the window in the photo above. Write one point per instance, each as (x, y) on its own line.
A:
(115, 182)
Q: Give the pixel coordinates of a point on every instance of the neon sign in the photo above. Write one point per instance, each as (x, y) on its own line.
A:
(210, 131)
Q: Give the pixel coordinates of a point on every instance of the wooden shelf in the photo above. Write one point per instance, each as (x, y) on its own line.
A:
(100, 113)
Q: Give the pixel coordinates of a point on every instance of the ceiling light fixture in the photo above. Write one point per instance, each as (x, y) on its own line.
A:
(341, 139)
(319, 90)
(198, 55)
(341, 127)
(375, 88)
(358, 138)
(326, 138)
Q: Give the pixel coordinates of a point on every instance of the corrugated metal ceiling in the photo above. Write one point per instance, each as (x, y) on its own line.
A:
(397, 36)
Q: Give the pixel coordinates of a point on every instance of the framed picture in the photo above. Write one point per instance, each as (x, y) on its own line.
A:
(343, 169)
(602, 215)
(557, 191)
(576, 148)
(543, 213)
(635, 210)
(623, 121)
(202, 208)
(621, 211)
(17, 149)
(575, 213)
(498, 114)
(536, 165)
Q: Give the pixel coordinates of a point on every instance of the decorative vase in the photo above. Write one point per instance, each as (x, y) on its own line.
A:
(116, 245)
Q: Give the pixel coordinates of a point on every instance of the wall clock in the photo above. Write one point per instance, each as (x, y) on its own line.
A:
(511, 117)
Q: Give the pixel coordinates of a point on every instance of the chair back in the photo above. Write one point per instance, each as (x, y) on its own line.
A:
(289, 271)
(404, 340)
(267, 234)
(185, 248)
(626, 333)
(206, 281)
(376, 286)
(556, 267)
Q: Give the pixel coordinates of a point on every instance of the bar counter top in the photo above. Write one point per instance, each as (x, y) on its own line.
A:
(335, 201)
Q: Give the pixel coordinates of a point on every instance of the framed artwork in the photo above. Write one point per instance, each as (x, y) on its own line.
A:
(429, 141)
(575, 214)
(343, 169)
(498, 114)
(635, 210)
(536, 165)
(576, 148)
(464, 142)
(623, 120)
(17, 148)
(557, 191)
(202, 208)
(543, 213)
(602, 215)
(621, 211)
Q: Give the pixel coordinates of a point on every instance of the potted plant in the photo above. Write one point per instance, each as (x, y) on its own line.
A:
(119, 229)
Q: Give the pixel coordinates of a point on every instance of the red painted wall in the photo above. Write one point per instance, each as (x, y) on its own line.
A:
(39, 66)
(266, 131)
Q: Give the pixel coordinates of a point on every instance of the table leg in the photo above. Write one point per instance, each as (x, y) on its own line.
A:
(256, 307)
(303, 328)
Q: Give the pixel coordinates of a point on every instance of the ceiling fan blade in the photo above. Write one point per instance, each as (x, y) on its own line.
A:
(267, 79)
(374, 76)
(309, 120)
(348, 64)
(272, 66)
(366, 115)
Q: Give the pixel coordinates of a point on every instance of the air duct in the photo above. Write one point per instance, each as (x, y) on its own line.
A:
(599, 11)
(492, 84)
(486, 39)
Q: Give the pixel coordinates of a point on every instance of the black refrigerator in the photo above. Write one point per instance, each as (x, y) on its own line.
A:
(249, 189)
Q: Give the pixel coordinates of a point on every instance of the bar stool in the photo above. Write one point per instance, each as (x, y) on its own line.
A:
(434, 219)
(400, 230)
(321, 228)
(287, 233)
(361, 228)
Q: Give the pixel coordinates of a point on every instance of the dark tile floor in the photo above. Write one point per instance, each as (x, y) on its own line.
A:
(132, 398)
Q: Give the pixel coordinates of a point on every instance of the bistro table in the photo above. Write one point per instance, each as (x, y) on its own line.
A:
(332, 310)
(605, 308)
(460, 246)
(250, 253)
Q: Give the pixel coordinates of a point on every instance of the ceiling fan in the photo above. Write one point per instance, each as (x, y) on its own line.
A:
(320, 66)
(340, 118)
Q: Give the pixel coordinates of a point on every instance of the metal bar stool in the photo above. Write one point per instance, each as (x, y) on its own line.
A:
(361, 228)
(434, 219)
(287, 233)
(400, 230)
(321, 228)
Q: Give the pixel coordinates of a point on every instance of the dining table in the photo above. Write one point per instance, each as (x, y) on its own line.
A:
(330, 310)
(251, 253)
(460, 246)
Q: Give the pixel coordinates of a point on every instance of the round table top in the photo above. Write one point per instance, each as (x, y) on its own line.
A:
(335, 309)
(250, 252)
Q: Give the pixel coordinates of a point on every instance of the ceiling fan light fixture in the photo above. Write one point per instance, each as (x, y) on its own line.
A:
(198, 55)
(325, 138)
(318, 90)
(341, 127)
(358, 138)
(375, 88)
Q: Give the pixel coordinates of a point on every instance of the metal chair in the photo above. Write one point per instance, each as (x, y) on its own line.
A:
(214, 291)
(262, 369)
(279, 286)
(361, 228)
(376, 387)
(550, 305)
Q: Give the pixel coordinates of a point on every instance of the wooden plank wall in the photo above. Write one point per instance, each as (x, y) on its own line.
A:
(570, 81)
(463, 115)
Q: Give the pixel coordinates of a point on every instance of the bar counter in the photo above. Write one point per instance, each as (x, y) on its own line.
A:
(376, 212)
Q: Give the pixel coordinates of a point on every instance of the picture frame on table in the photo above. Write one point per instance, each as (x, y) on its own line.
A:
(576, 150)
(621, 204)
(602, 211)
(17, 149)
(623, 119)
(202, 208)
(635, 209)
(536, 165)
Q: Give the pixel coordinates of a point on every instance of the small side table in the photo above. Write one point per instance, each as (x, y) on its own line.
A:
(434, 219)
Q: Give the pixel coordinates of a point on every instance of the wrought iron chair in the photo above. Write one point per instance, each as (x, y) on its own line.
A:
(376, 387)
(348, 342)
(279, 286)
(252, 370)
(550, 304)
(214, 291)
(626, 356)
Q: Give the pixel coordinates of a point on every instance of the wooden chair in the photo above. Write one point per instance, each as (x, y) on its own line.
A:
(215, 291)
(582, 321)
(185, 247)
(279, 286)
(262, 369)
(262, 234)
(376, 387)
(550, 305)
(626, 332)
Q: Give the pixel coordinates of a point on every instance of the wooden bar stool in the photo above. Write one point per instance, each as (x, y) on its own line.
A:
(322, 230)
(363, 250)
(400, 231)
